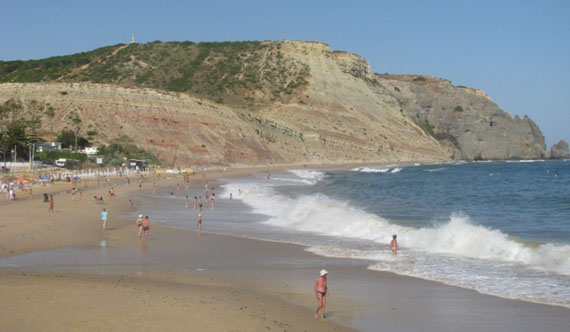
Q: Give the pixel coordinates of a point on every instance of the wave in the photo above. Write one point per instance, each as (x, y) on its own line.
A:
(435, 169)
(308, 176)
(376, 169)
(371, 170)
(525, 161)
(458, 237)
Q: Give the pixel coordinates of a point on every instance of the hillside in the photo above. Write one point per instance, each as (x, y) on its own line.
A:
(267, 102)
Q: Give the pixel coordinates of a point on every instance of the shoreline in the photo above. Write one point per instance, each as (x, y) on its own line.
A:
(122, 240)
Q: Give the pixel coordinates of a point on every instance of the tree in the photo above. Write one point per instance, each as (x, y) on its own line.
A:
(67, 138)
(76, 124)
(16, 132)
(50, 113)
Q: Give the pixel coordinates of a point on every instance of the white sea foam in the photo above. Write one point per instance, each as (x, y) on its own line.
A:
(435, 169)
(459, 237)
(458, 251)
(389, 169)
(371, 169)
(525, 161)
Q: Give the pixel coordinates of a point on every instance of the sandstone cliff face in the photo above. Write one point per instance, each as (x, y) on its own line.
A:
(466, 120)
(560, 150)
(184, 130)
(344, 113)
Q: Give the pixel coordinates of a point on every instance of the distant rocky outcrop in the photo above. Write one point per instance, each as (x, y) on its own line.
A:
(560, 150)
(268, 102)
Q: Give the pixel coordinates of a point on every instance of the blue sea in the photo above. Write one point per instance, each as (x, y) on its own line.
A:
(501, 228)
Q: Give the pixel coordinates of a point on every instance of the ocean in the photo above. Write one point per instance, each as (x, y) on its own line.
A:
(500, 228)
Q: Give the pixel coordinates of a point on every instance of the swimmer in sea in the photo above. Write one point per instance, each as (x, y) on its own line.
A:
(394, 245)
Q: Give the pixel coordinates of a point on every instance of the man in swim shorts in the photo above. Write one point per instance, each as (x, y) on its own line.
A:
(321, 294)
(146, 226)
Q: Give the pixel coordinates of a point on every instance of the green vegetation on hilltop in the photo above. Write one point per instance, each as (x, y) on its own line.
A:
(231, 72)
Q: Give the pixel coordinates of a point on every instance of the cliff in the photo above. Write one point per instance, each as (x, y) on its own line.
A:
(270, 102)
(465, 119)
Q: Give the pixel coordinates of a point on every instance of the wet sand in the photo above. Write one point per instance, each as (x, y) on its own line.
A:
(180, 279)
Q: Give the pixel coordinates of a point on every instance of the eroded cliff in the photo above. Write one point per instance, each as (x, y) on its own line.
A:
(278, 102)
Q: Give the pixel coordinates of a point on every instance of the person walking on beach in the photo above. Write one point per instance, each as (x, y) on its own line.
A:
(73, 193)
(321, 294)
(104, 217)
(187, 202)
(213, 202)
(146, 227)
(51, 203)
(195, 203)
(394, 245)
(199, 221)
(200, 204)
(139, 224)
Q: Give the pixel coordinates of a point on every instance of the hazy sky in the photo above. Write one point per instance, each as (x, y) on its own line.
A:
(518, 52)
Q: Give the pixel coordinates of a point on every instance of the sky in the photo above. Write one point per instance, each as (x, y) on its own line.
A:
(518, 52)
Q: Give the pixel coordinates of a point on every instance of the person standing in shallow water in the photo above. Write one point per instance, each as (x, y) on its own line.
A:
(139, 224)
(104, 217)
(394, 245)
(321, 289)
(146, 227)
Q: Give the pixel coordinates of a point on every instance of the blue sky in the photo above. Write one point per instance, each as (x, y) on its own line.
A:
(518, 52)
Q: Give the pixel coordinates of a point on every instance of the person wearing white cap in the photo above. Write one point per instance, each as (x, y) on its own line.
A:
(139, 224)
(321, 294)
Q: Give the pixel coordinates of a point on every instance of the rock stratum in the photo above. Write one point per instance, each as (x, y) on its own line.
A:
(268, 103)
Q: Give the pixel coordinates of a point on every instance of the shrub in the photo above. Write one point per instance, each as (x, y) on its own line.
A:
(420, 79)
(458, 109)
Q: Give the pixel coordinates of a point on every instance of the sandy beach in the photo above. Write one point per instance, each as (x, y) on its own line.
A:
(61, 271)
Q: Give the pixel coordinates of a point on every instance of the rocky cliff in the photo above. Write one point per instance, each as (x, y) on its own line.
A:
(560, 150)
(275, 102)
(465, 119)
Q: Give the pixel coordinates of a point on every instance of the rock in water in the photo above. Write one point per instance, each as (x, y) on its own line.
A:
(560, 150)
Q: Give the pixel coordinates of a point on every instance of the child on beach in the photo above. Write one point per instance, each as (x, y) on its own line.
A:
(199, 221)
(51, 203)
(104, 217)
